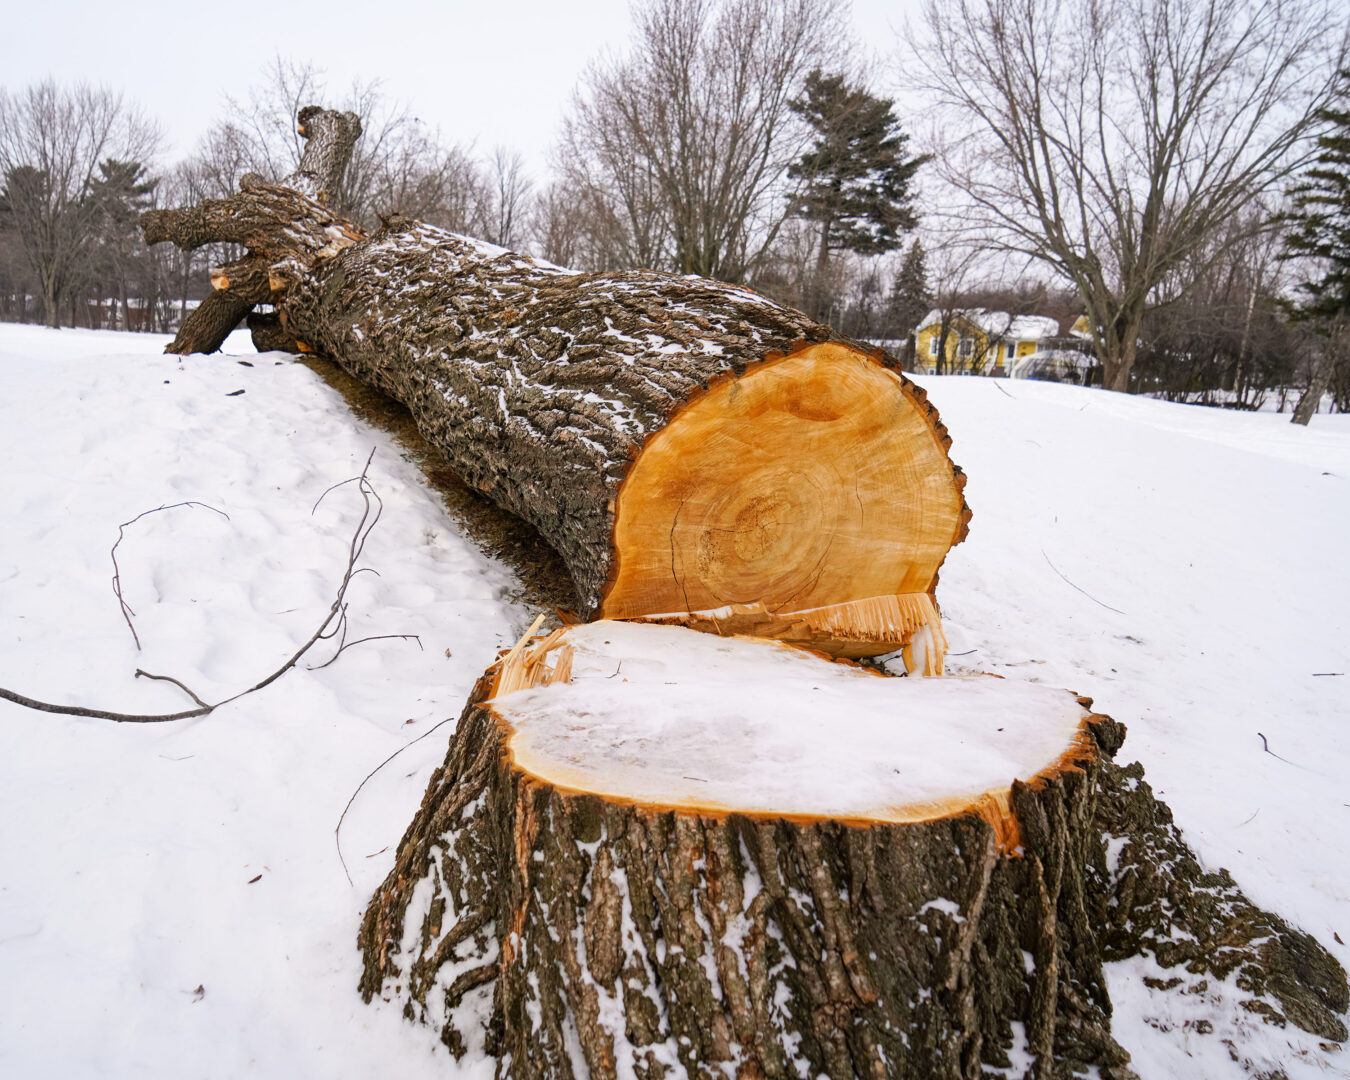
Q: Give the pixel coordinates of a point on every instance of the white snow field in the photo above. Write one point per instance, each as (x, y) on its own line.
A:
(172, 902)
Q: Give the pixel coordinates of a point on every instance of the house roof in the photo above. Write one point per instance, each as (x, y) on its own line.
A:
(998, 324)
(1033, 327)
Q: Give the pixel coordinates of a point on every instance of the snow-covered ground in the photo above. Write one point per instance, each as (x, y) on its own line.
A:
(1186, 568)
(172, 902)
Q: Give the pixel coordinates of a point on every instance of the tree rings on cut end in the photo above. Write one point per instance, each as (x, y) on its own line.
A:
(810, 500)
(671, 719)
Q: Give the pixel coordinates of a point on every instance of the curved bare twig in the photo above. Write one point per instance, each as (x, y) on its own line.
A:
(333, 624)
(127, 612)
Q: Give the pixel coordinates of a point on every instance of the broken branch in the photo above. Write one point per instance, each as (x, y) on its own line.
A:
(127, 613)
(333, 622)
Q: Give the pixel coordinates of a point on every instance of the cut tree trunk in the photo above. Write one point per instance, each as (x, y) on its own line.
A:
(329, 139)
(756, 891)
(653, 853)
(694, 451)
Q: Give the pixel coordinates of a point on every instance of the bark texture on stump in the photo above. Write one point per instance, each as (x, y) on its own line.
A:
(576, 934)
(693, 450)
(683, 943)
(572, 934)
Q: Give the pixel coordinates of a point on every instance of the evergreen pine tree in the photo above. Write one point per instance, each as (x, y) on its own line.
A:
(857, 179)
(1321, 232)
(118, 194)
(1321, 216)
(910, 298)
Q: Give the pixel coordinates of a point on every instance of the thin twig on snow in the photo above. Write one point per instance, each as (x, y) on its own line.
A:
(127, 612)
(333, 623)
(337, 829)
(1072, 585)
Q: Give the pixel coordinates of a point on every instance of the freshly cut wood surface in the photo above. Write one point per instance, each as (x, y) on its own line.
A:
(675, 720)
(809, 499)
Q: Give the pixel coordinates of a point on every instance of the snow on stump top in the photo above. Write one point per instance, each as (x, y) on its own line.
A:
(657, 716)
(694, 451)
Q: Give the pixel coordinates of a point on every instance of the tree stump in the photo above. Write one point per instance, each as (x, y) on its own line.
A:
(694, 451)
(684, 855)
(657, 853)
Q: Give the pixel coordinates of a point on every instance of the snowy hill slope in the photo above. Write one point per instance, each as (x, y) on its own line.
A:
(1184, 567)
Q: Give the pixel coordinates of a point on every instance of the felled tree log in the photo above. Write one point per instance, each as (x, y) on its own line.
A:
(654, 853)
(694, 451)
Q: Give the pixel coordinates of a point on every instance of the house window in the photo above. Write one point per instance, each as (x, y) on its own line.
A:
(966, 349)
(932, 345)
(1011, 350)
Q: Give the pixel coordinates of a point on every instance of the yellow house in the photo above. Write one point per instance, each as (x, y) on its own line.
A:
(979, 342)
(967, 344)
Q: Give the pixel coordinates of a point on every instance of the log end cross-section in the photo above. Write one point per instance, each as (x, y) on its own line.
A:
(811, 499)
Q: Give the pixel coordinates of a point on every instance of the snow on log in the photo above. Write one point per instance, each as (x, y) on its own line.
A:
(694, 451)
(652, 852)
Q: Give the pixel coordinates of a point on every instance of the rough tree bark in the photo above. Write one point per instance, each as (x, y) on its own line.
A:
(329, 138)
(691, 449)
(572, 933)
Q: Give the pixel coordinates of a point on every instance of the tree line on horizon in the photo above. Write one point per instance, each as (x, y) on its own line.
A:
(1171, 170)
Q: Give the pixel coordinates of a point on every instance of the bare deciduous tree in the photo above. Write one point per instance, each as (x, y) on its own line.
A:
(1114, 141)
(52, 140)
(222, 155)
(577, 227)
(400, 164)
(687, 139)
(508, 197)
(420, 178)
(1222, 339)
(263, 124)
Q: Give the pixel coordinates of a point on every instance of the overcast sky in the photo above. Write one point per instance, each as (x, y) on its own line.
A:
(484, 73)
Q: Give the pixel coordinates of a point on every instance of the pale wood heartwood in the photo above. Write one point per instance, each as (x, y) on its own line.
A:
(811, 500)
